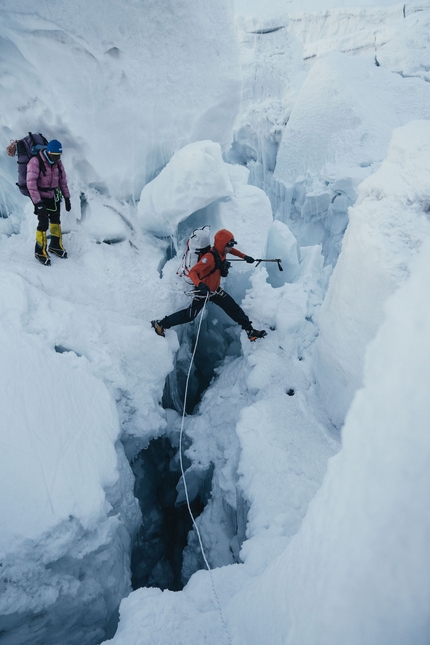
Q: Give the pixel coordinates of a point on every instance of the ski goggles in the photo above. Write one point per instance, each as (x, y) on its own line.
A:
(230, 244)
(53, 156)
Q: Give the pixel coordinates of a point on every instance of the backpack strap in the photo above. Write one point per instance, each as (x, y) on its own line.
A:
(42, 168)
(217, 258)
(218, 262)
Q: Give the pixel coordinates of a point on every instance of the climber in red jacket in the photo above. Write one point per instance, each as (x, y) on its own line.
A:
(206, 276)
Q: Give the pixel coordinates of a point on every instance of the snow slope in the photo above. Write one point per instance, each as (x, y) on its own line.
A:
(304, 548)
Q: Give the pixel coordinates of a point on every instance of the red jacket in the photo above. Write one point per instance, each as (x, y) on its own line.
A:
(203, 271)
(42, 185)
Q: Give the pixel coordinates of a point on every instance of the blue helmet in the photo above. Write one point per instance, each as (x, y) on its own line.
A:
(54, 147)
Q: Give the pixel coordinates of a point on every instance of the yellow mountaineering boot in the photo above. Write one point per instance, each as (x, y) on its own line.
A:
(56, 245)
(40, 251)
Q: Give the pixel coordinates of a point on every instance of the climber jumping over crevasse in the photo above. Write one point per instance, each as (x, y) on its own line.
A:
(206, 276)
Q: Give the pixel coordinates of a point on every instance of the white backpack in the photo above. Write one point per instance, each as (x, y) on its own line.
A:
(197, 245)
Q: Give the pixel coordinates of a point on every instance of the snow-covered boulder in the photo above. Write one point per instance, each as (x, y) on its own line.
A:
(195, 177)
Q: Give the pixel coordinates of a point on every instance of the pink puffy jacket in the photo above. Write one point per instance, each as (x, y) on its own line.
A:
(42, 185)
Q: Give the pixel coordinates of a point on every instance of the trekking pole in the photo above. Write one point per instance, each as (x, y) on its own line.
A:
(259, 260)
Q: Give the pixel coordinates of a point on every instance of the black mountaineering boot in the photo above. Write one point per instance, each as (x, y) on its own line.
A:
(158, 328)
(253, 334)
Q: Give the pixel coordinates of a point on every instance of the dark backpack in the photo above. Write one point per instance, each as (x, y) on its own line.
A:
(222, 265)
(25, 149)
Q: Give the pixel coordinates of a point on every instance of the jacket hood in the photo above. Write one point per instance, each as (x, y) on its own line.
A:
(221, 238)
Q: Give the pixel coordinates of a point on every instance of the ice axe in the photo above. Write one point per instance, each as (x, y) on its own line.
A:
(259, 260)
(277, 260)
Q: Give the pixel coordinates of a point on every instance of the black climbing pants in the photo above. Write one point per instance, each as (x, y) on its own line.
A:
(53, 208)
(220, 298)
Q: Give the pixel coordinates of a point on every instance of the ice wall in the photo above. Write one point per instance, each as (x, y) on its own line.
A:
(387, 227)
(321, 120)
(122, 89)
(337, 134)
(356, 30)
(271, 8)
(358, 571)
(272, 69)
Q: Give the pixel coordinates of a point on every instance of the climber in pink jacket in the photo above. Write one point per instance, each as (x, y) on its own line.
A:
(47, 184)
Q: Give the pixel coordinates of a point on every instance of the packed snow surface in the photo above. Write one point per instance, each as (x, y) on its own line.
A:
(304, 130)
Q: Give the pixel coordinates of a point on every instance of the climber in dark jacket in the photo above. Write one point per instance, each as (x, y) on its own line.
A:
(206, 276)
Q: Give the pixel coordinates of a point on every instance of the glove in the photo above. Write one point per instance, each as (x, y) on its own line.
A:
(249, 259)
(202, 289)
(40, 209)
(68, 204)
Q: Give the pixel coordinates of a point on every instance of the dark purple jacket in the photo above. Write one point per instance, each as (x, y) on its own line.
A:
(42, 186)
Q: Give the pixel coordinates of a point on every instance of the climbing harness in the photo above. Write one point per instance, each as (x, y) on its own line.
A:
(58, 196)
(258, 261)
(185, 482)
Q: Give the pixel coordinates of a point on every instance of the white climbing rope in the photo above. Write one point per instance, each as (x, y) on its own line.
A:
(185, 482)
